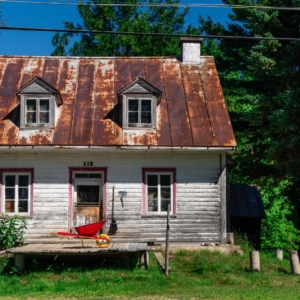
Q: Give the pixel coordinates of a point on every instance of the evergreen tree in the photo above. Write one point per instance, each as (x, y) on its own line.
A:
(261, 87)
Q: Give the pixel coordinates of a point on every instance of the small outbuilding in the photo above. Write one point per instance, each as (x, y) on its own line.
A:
(246, 212)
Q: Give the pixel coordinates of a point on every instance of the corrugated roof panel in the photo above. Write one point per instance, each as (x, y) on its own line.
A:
(179, 123)
(173, 80)
(83, 118)
(138, 68)
(200, 124)
(163, 125)
(67, 86)
(104, 104)
(178, 116)
(218, 114)
(154, 75)
(123, 76)
(8, 100)
(34, 67)
(51, 71)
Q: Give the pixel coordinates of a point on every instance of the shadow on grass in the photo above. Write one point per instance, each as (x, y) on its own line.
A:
(283, 271)
(59, 264)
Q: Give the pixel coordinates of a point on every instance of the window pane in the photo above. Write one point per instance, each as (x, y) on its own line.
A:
(87, 193)
(31, 117)
(31, 104)
(146, 117)
(165, 193)
(152, 193)
(23, 193)
(9, 206)
(10, 180)
(146, 105)
(94, 175)
(44, 117)
(44, 105)
(23, 206)
(165, 180)
(10, 193)
(133, 117)
(152, 180)
(23, 180)
(80, 175)
(133, 105)
(152, 205)
(164, 205)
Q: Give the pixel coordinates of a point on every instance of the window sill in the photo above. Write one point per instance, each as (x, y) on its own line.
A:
(156, 216)
(6, 215)
(37, 127)
(140, 128)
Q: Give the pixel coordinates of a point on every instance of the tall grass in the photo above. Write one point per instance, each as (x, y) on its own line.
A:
(195, 274)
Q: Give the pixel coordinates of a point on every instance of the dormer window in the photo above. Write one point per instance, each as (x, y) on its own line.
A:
(140, 112)
(139, 101)
(39, 102)
(37, 111)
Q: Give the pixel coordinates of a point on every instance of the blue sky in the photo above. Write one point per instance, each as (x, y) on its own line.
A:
(52, 16)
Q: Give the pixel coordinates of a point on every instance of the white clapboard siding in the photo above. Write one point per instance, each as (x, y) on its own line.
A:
(198, 204)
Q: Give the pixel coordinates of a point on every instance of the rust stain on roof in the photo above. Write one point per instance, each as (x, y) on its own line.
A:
(104, 131)
(218, 114)
(139, 138)
(35, 137)
(192, 110)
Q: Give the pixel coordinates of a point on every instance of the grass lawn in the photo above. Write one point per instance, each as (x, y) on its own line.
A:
(195, 274)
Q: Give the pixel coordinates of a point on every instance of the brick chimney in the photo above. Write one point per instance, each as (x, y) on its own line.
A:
(190, 50)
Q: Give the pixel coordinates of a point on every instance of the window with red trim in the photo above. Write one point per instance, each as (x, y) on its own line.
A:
(159, 190)
(16, 192)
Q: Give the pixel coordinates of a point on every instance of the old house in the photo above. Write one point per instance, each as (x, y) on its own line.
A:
(150, 131)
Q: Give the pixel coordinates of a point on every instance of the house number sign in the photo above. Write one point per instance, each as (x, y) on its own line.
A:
(88, 163)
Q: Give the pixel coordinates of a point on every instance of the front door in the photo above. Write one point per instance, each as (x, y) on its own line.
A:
(88, 198)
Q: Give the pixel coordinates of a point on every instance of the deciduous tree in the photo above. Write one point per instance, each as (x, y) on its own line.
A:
(127, 19)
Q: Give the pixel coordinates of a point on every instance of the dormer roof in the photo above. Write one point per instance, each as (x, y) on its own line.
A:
(140, 86)
(39, 86)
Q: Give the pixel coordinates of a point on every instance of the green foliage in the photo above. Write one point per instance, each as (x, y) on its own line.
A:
(278, 210)
(126, 19)
(12, 231)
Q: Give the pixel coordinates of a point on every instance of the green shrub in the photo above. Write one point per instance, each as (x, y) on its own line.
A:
(12, 231)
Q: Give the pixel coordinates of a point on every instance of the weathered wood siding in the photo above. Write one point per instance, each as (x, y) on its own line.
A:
(199, 190)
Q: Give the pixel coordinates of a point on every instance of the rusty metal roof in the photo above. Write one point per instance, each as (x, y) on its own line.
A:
(192, 111)
(246, 202)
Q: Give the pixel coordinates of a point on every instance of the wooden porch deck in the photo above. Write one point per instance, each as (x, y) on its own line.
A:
(75, 248)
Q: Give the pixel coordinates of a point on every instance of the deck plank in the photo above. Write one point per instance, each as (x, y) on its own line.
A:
(142, 246)
(23, 249)
(52, 248)
(73, 248)
(133, 247)
(123, 246)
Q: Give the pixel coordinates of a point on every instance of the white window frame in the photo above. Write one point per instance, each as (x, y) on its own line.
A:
(159, 212)
(125, 116)
(17, 174)
(37, 97)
